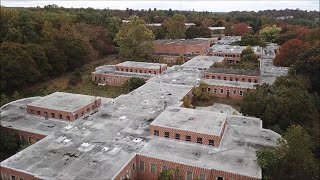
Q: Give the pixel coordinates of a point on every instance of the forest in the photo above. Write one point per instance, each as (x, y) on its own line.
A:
(39, 44)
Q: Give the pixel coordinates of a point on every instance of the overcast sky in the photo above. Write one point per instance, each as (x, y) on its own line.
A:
(197, 5)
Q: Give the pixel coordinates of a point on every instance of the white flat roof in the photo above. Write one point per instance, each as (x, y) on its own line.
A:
(199, 121)
(141, 64)
(63, 101)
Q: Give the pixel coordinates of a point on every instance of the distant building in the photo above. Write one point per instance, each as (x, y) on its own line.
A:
(116, 75)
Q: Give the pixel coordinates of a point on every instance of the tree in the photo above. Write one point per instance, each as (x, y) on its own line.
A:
(113, 28)
(17, 66)
(171, 174)
(75, 78)
(180, 60)
(251, 40)
(200, 94)
(159, 32)
(175, 27)
(312, 36)
(281, 103)
(270, 34)
(136, 41)
(289, 52)
(240, 29)
(308, 65)
(194, 32)
(290, 159)
(133, 83)
(248, 59)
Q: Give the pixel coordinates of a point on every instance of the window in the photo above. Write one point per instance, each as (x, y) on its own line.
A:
(21, 178)
(76, 116)
(211, 142)
(220, 178)
(255, 81)
(243, 79)
(88, 109)
(199, 140)
(240, 92)
(155, 72)
(140, 71)
(237, 79)
(60, 116)
(221, 91)
(52, 115)
(215, 91)
(209, 89)
(178, 136)
(213, 77)
(188, 138)
(149, 72)
(231, 79)
(234, 92)
(68, 117)
(224, 78)
(228, 91)
(13, 178)
(202, 177)
(189, 175)
(249, 80)
(29, 139)
(133, 167)
(141, 165)
(207, 76)
(39, 113)
(156, 132)
(164, 168)
(82, 113)
(130, 70)
(152, 168)
(93, 107)
(219, 77)
(166, 134)
(45, 113)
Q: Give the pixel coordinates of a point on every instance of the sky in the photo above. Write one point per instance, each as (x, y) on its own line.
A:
(197, 5)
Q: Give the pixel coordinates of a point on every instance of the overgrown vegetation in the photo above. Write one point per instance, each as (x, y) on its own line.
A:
(133, 83)
(170, 174)
(10, 144)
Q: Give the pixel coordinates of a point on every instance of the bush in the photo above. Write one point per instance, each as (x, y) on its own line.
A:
(133, 83)
(75, 78)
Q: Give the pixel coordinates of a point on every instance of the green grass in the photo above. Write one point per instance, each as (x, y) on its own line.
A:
(236, 104)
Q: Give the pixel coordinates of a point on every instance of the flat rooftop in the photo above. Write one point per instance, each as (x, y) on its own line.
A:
(110, 69)
(236, 153)
(63, 101)
(226, 48)
(228, 39)
(181, 41)
(202, 62)
(135, 64)
(200, 121)
(234, 71)
(230, 83)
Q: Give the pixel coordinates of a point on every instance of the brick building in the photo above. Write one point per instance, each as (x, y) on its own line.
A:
(120, 141)
(229, 74)
(116, 75)
(64, 106)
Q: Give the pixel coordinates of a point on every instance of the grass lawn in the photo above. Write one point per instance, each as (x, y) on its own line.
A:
(236, 104)
(87, 86)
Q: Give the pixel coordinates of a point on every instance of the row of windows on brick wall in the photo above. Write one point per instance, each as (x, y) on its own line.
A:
(188, 175)
(140, 71)
(231, 79)
(188, 138)
(234, 92)
(7, 177)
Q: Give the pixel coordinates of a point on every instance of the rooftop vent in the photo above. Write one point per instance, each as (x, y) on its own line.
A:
(115, 151)
(68, 127)
(137, 140)
(105, 149)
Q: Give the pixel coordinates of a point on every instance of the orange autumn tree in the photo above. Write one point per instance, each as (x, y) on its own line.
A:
(240, 29)
(289, 52)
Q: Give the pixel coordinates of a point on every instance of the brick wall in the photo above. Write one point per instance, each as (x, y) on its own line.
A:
(9, 174)
(142, 70)
(145, 173)
(232, 77)
(23, 135)
(234, 92)
(183, 134)
(64, 115)
(130, 170)
(174, 48)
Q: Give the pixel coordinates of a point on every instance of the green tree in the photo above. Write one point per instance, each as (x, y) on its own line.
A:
(136, 41)
(113, 28)
(270, 34)
(75, 78)
(4, 99)
(17, 66)
(180, 60)
(248, 59)
(133, 83)
(251, 40)
(170, 174)
(290, 159)
(308, 64)
(175, 27)
(200, 94)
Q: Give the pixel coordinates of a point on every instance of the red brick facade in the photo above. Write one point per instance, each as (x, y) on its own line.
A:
(129, 171)
(232, 77)
(23, 135)
(143, 170)
(205, 138)
(181, 48)
(10, 174)
(141, 70)
(226, 91)
(58, 114)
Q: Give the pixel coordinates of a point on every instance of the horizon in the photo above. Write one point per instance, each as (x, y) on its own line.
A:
(200, 6)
